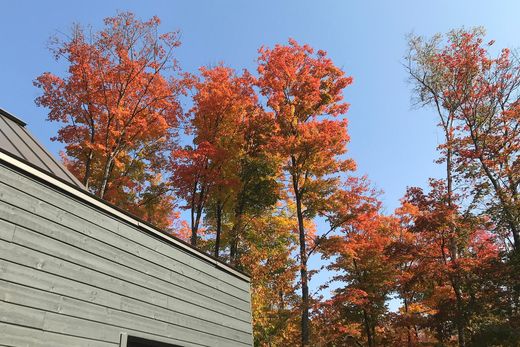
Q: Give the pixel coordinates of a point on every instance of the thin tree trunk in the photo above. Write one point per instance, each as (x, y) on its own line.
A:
(303, 265)
(219, 228)
(235, 230)
(193, 238)
(368, 329)
(88, 164)
(196, 212)
(304, 279)
(90, 156)
(106, 175)
(461, 321)
(408, 327)
(234, 244)
(461, 326)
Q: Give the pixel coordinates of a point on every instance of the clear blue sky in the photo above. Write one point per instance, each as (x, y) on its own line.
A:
(391, 142)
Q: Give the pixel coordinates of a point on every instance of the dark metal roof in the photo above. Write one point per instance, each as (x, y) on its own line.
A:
(18, 141)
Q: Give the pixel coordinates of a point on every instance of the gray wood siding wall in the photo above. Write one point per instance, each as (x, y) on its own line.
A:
(71, 275)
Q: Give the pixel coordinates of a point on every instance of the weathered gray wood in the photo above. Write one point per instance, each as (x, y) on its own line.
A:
(6, 230)
(205, 326)
(87, 329)
(18, 254)
(34, 278)
(17, 294)
(116, 265)
(21, 316)
(87, 218)
(72, 270)
(25, 238)
(87, 247)
(20, 336)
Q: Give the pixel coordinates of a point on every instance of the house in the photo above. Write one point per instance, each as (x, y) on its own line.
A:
(78, 271)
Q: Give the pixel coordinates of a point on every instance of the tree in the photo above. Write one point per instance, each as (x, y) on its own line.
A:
(118, 110)
(476, 97)
(305, 89)
(227, 172)
(449, 288)
(365, 272)
(268, 247)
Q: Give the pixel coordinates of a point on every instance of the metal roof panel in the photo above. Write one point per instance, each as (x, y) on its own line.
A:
(17, 140)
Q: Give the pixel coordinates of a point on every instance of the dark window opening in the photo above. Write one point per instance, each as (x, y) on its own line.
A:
(140, 342)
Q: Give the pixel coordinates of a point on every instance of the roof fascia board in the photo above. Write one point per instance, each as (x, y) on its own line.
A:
(13, 118)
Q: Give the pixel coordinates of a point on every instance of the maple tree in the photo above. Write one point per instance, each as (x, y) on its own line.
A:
(477, 98)
(268, 256)
(262, 168)
(118, 110)
(302, 87)
(227, 172)
(442, 285)
(364, 273)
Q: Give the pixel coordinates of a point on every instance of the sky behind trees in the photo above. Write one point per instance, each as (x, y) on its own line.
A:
(390, 140)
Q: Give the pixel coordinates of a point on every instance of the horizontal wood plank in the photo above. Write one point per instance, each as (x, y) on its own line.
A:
(86, 329)
(22, 336)
(14, 253)
(113, 254)
(76, 275)
(87, 218)
(36, 233)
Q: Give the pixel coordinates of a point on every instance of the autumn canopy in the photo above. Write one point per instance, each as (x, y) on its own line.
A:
(242, 164)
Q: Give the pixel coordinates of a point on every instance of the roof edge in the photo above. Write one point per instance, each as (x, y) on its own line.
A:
(12, 117)
(92, 200)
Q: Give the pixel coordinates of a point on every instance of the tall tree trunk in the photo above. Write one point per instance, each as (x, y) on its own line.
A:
(218, 214)
(233, 249)
(367, 322)
(88, 166)
(461, 318)
(106, 175)
(368, 329)
(196, 213)
(235, 230)
(303, 264)
(90, 156)
(460, 323)
(408, 327)
(193, 238)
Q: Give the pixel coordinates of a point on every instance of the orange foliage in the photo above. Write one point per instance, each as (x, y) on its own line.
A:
(119, 111)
